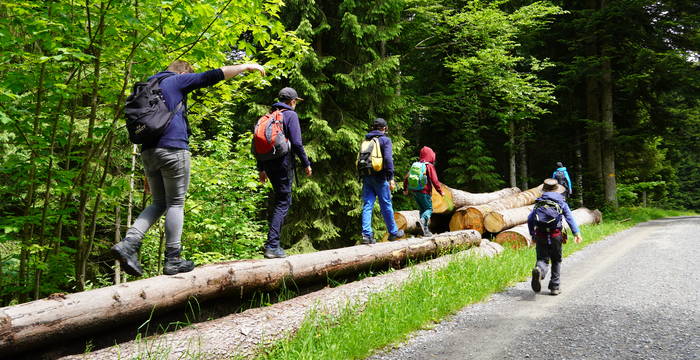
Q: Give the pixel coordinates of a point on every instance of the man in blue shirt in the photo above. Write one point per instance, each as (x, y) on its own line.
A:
(379, 186)
(280, 171)
(562, 177)
(549, 238)
(166, 160)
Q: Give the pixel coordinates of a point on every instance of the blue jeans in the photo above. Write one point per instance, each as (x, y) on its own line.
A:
(377, 188)
(168, 173)
(425, 205)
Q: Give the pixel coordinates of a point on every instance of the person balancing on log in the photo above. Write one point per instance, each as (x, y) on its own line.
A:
(156, 118)
(545, 225)
(420, 180)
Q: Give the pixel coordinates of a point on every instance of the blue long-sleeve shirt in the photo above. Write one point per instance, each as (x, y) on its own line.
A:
(175, 89)
(292, 130)
(386, 147)
(559, 199)
(566, 174)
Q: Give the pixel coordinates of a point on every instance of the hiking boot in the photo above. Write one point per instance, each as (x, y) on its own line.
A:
(423, 223)
(555, 291)
(536, 286)
(368, 239)
(399, 234)
(273, 253)
(127, 252)
(174, 264)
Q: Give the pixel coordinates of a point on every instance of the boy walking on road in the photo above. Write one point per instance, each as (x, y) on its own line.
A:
(166, 161)
(280, 170)
(420, 180)
(377, 183)
(545, 225)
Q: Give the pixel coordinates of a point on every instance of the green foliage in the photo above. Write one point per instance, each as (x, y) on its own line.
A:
(65, 160)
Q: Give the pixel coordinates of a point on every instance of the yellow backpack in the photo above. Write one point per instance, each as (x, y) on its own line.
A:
(369, 159)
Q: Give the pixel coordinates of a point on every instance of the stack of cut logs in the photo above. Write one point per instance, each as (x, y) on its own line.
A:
(503, 213)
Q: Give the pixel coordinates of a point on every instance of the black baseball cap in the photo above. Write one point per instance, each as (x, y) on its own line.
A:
(288, 94)
(379, 122)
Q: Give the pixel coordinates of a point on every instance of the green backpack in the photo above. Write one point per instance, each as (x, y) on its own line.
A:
(417, 176)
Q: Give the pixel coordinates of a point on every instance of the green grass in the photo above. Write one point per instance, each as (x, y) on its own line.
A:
(389, 317)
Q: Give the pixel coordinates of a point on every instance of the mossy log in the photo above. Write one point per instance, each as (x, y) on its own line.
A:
(519, 236)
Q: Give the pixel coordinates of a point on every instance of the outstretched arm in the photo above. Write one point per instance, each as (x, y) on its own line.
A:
(233, 70)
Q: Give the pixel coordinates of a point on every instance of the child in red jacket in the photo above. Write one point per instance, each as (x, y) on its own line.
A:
(420, 181)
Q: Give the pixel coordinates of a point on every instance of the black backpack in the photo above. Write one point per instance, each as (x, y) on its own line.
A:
(146, 113)
(561, 178)
(547, 214)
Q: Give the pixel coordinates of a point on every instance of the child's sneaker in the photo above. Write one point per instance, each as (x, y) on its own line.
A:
(555, 291)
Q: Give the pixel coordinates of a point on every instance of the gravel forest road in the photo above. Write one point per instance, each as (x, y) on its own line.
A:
(633, 295)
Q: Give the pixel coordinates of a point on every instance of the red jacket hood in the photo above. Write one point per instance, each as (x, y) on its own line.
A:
(427, 155)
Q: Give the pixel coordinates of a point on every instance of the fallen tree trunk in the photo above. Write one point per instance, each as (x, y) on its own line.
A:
(243, 334)
(61, 317)
(455, 199)
(519, 236)
(473, 216)
(497, 221)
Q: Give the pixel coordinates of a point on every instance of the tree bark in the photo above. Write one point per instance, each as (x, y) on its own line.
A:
(473, 216)
(497, 221)
(595, 170)
(608, 130)
(57, 318)
(407, 221)
(512, 157)
(459, 199)
(245, 331)
(519, 236)
(522, 153)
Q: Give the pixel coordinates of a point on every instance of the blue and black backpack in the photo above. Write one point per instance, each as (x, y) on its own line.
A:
(547, 214)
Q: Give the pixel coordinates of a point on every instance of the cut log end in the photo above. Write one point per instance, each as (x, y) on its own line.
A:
(442, 203)
(512, 239)
(474, 219)
(493, 222)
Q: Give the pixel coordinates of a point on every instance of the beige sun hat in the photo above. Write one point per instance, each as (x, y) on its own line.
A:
(551, 185)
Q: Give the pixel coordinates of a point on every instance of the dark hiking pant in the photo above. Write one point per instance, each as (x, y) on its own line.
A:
(281, 178)
(549, 249)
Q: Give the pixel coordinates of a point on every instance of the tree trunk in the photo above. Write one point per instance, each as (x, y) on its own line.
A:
(473, 216)
(595, 170)
(511, 157)
(459, 199)
(579, 174)
(247, 330)
(519, 236)
(56, 319)
(408, 221)
(608, 148)
(522, 153)
(497, 221)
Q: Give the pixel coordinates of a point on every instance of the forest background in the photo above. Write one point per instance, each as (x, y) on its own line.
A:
(501, 90)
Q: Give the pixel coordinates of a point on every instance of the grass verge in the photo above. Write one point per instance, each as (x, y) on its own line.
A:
(389, 317)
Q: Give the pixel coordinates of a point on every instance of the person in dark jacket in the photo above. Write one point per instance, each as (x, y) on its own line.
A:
(379, 186)
(166, 160)
(549, 239)
(423, 197)
(562, 177)
(280, 171)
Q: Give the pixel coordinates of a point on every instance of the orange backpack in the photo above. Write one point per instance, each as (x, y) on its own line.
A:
(269, 141)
